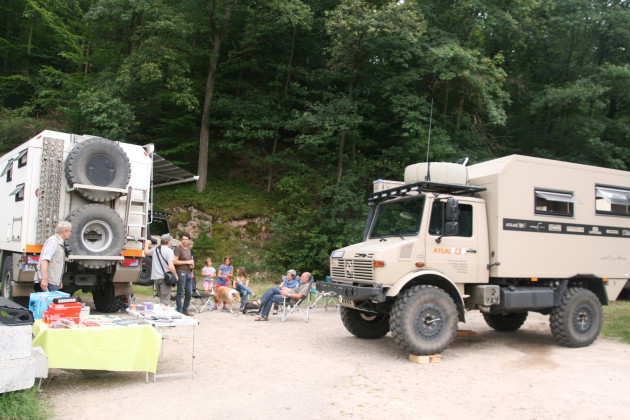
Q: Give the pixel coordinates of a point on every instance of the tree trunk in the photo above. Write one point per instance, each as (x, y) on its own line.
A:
(204, 133)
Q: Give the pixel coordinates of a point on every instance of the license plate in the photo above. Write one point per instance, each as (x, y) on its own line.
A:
(28, 267)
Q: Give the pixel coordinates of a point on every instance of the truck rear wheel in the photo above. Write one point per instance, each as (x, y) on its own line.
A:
(7, 278)
(505, 322)
(424, 320)
(366, 325)
(577, 321)
(99, 162)
(97, 230)
(105, 299)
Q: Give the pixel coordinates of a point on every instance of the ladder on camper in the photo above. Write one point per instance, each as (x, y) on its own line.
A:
(136, 213)
(49, 187)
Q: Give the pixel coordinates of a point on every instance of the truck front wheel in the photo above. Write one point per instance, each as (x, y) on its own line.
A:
(577, 321)
(505, 322)
(424, 320)
(364, 324)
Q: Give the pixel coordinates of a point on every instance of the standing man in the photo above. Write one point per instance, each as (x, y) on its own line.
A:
(162, 262)
(184, 264)
(53, 258)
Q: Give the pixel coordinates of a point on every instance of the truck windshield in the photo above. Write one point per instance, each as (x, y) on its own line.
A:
(398, 218)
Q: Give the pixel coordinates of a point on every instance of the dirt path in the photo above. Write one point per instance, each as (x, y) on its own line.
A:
(276, 370)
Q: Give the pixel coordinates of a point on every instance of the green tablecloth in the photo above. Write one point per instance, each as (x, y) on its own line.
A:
(131, 348)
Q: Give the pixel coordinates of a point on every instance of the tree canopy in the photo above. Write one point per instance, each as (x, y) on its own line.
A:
(312, 100)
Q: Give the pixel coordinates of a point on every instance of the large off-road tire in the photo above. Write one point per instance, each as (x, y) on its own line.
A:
(366, 325)
(7, 283)
(577, 321)
(98, 162)
(7, 278)
(424, 320)
(505, 322)
(105, 299)
(144, 278)
(96, 230)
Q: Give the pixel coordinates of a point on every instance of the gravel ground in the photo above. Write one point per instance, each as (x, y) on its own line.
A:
(317, 370)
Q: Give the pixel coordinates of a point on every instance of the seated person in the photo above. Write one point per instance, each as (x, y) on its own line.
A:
(277, 295)
(290, 281)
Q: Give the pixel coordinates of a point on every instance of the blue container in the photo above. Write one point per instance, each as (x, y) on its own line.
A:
(39, 302)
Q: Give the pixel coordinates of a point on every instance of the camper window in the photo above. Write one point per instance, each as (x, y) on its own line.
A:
(554, 203)
(7, 170)
(22, 158)
(18, 192)
(612, 201)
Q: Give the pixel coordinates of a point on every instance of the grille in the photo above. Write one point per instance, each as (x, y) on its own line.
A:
(359, 270)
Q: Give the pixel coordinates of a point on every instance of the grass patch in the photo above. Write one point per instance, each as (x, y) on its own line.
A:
(23, 405)
(617, 321)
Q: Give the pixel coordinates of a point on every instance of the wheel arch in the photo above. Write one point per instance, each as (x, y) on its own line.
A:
(592, 283)
(432, 278)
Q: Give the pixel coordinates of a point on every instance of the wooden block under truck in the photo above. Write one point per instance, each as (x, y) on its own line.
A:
(103, 187)
(505, 237)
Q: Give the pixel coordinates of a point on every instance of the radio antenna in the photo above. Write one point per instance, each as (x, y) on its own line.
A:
(428, 176)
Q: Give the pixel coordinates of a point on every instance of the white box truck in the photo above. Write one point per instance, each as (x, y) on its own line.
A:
(506, 237)
(104, 188)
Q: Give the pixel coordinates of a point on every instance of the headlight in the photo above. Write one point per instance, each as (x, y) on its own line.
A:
(337, 254)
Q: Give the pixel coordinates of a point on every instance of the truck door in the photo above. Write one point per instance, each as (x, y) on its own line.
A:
(456, 255)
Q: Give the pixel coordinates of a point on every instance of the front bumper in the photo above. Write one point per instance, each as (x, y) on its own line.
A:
(351, 292)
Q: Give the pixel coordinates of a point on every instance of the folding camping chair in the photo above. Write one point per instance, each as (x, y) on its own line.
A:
(327, 298)
(288, 306)
(201, 300)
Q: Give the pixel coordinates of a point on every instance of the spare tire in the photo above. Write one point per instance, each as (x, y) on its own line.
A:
(99, 162)
(96, 230)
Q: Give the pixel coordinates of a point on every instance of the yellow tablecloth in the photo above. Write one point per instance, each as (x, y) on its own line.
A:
(132, 348)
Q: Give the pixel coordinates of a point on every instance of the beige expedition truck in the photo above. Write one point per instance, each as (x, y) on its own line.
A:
(506, 237)
(104, 188)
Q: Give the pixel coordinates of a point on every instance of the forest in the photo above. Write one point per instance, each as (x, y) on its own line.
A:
(309, 101)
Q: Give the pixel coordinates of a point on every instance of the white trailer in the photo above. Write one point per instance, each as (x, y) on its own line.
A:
(104, 188)
(506, 237)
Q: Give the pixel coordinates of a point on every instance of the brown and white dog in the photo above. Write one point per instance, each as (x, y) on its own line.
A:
(228, 296)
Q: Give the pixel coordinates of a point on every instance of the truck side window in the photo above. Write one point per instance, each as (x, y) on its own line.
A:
(555, 203)
(609, 200)
(436, 224)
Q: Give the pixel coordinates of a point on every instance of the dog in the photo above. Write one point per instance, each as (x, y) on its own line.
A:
(228, 296)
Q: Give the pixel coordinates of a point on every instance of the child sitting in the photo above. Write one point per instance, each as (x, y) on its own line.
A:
(241, 284)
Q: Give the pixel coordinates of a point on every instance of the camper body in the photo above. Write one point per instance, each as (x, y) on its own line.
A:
(102, 187)
(506, 237)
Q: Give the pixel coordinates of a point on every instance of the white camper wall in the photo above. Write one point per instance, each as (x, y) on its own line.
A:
(527, 244)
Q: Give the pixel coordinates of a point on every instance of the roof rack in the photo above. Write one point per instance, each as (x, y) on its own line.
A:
(424, 186)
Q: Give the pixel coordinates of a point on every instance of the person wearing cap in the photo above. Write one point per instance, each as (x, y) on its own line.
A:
(277, 295)
(163, 258)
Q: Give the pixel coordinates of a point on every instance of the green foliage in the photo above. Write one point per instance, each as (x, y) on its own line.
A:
(617, 321)
(23, 405)
(16, 126)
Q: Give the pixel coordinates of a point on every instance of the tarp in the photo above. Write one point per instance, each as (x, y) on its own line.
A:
(165, 173)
